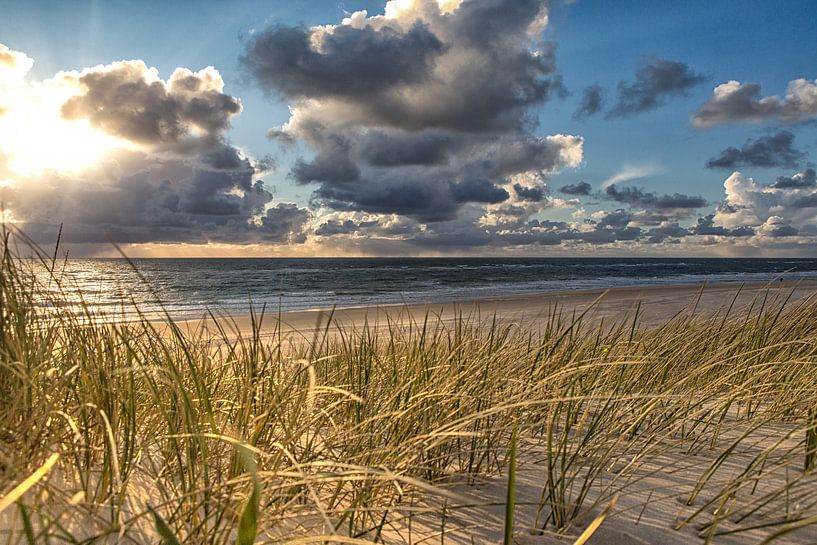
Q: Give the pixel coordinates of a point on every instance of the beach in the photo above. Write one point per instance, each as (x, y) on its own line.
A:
(659, 414)
(662, 498)
(651, 304)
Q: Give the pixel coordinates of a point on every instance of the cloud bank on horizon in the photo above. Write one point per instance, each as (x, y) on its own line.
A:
(416, 130)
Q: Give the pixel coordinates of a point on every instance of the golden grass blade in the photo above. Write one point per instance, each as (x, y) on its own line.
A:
(18, 491)
(590, 530)
(789, 528)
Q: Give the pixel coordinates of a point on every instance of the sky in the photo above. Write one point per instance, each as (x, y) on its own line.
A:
(411, 127)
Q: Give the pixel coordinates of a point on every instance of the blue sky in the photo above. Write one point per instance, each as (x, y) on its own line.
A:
(597, 43)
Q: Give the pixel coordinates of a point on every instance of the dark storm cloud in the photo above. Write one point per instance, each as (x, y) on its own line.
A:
(123, 100)
(582, 188)
(368, 227)
(284, 223)
(805, 179)
(515, 154)
(638, 197)
(331, 166)
(345, 227)
(418, 113)
(591, 103)
(138, 209)
(195, 206)
(533, 194)
(655, 81)
(351, 61)
(478, 190)
(382, 149)
(767, 151)
(735, 102)
(426, 200)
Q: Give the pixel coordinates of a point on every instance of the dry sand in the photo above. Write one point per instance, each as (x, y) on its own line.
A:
(655, 499)
(654, 305)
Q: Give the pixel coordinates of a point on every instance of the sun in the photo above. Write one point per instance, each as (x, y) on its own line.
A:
(35, 138)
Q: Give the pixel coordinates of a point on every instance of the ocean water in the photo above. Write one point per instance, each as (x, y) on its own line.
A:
(189, 287)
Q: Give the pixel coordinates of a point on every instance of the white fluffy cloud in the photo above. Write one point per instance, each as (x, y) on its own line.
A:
(734, 101)
(762, 207)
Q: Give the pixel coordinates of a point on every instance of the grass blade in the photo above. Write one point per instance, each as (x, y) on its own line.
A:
(164, 531)
(511, 492)
(590, 530)
(18, 491)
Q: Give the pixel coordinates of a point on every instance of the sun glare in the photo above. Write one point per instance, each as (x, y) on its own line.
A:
(35, 137)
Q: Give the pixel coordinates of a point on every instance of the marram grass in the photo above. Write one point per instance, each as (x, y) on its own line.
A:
(144, 432)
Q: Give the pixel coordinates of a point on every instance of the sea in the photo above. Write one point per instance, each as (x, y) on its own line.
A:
(188, 288)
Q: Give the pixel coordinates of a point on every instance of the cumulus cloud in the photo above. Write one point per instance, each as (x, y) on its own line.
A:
(167, 172)
(775, 227)
(733, 102)
(591, 103)
(129, 100)
(418, 112)
(135, 198)
(581, 188)
(634, 196)
(799, 180)
(655, 81)
(533, 194)
(706, 226)
(14, 65)
(770, 210)
(776, 150)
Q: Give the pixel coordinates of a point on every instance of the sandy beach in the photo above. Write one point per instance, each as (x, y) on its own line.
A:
(660, 494)
(653, 304)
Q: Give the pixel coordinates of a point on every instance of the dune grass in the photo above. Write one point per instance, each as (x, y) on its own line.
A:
(144, 432)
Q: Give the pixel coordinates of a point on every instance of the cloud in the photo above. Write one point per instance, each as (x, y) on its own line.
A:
(656, 80)
(591, 103)
(776, 150)
(706, 226)
(775, 227)
(136, 198)
(750, 218)
(638, 197)
(14, 65)
(467, 69)
(582, 188)
(632, 172)
(733, 102)
(420, 111)
(367, 226)
(166, 172)
(533, 194)
(805, 179)
(752, 205)
(129, 100)
(284, 223)
(344, 62)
